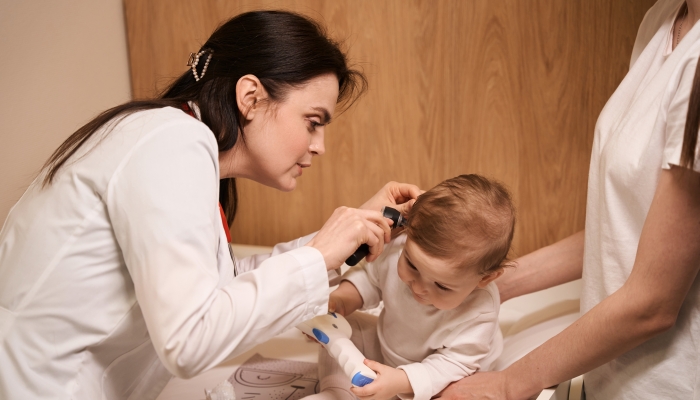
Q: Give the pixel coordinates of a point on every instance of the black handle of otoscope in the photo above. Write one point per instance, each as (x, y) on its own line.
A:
(363, 250)
(358, 255)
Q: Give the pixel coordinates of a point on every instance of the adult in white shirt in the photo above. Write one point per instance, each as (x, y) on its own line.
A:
(115, 270)
(639, 333)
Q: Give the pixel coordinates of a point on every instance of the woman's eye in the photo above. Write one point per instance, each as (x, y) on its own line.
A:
(441, 287)
(313, 125)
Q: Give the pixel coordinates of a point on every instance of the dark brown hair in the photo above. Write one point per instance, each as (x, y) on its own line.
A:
(282, 49)
(469, 219)
(692, 122)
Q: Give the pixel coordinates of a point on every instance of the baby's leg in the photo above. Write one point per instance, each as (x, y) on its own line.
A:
(333, 383)
(364, 335)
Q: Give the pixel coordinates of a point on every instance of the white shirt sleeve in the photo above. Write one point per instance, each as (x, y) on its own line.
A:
(250, 263)
(468, 345)
(677, 113)
(163, 204)
(365, 278)
(368, 277)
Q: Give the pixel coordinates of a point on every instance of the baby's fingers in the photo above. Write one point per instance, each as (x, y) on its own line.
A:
(375, 366)
(365, 392)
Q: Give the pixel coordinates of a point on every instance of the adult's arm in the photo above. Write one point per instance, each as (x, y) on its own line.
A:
(549, 266)
(394, 194)
(666, 265)
(252, 262)
(162, 202)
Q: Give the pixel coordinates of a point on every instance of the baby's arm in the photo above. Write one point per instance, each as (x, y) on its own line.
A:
(461, 357)
(345, 299)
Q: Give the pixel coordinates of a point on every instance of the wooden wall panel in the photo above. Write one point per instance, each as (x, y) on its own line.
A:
(506, 88)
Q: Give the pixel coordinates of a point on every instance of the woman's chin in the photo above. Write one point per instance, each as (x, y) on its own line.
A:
(287, 185)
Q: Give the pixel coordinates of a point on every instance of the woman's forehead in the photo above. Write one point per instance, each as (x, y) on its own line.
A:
(320, 92)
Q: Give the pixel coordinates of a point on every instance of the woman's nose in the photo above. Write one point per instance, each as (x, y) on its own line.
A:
(317, 147)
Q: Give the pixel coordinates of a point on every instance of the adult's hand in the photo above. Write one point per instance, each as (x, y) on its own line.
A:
(480, 386)
(400, 196)
(346, 230)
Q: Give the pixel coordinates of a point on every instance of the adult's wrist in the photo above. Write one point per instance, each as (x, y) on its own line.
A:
(506, 284)
(520, 385)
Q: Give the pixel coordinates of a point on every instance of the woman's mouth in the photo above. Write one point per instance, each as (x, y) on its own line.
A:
(301, 167)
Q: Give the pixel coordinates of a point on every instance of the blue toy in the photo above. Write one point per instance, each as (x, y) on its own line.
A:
(333, 332)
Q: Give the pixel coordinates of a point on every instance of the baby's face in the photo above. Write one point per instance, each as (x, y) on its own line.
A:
(437, 282)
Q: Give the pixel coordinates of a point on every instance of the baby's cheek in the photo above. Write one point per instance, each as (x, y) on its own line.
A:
(448, 302)
(401, 272)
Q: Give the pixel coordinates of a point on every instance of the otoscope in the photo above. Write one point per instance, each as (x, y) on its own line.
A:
(363, 250)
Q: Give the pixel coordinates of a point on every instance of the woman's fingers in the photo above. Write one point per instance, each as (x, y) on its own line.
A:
(381, 235)
(346, 230)
(392, 194)
(404, 191)
(405, 207)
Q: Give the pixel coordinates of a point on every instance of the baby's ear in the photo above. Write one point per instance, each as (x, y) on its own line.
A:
(490, 277)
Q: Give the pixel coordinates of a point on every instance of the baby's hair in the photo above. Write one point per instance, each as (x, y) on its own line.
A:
(469, 219)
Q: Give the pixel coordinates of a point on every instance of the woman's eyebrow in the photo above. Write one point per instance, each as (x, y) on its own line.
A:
(325, 115)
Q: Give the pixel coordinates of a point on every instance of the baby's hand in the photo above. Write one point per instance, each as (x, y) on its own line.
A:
(336, 304)
(389, 383)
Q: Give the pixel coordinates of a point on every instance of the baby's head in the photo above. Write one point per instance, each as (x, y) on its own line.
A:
(459, 234)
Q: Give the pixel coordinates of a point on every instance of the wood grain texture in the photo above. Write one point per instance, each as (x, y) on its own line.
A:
(509, 89)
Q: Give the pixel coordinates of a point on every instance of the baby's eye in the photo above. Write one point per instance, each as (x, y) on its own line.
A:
(441, 287)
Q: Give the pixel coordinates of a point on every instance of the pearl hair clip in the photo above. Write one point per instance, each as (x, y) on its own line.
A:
(194, 60)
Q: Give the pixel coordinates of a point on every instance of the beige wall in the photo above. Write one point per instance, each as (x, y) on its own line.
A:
(507, 89)
(62, 63)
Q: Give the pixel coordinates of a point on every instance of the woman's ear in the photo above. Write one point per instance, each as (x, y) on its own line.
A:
(490, 277)
(249, 93)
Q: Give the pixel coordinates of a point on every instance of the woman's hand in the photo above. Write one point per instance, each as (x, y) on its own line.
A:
(481, 386)
(400, 196)
(389, 383)
(346, 230)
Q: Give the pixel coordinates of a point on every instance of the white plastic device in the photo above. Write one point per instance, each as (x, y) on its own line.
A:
(333, 332)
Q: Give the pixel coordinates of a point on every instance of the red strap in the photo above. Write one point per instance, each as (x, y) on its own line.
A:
(225, 222)
(186, 108)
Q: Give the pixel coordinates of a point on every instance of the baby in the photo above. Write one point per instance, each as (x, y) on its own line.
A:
(440, 318)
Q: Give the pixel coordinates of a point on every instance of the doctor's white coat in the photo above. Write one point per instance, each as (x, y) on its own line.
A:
(118, 274)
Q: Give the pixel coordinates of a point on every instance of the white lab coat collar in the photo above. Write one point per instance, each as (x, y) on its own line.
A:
(195, 108)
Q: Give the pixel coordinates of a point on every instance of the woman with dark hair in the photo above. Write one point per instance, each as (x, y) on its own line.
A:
(639, 333)
(115, 269)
